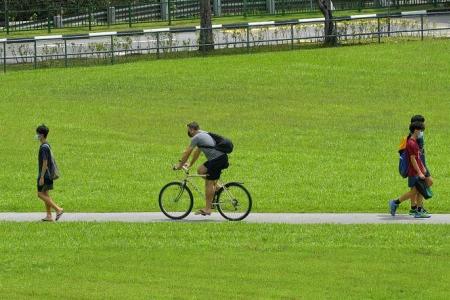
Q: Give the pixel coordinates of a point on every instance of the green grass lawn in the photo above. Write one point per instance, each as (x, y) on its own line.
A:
(195, 22)
(224, 261)
(314, 130)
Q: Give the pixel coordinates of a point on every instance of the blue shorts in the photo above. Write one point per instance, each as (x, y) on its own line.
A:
(412, 180)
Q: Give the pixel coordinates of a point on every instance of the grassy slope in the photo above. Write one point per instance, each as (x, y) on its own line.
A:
(240, 261)
(315, 130)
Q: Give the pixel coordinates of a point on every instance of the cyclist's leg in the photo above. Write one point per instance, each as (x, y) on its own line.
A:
(202, 170)
(209, 192)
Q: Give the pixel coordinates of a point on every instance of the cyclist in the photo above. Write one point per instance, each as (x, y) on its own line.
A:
(212, 168)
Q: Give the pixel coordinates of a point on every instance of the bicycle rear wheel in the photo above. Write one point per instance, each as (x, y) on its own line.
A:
(175, 200)
(234, 202)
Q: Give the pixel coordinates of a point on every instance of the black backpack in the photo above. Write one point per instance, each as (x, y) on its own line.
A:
(222, 144)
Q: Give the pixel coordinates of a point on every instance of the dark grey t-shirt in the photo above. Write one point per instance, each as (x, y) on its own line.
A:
(44, 154)
(204, 139)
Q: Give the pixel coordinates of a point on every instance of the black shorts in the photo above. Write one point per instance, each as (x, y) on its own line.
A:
(48, 185)
(216, 166)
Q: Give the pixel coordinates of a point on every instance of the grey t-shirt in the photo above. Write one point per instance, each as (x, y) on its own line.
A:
(204, 139)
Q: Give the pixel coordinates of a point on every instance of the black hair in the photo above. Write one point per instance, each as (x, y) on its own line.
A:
(416, 125)
(42, 129)
(193, 125)
(417, 118)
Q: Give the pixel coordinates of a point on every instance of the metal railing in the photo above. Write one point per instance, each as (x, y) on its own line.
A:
(114, 47)
(49, 15)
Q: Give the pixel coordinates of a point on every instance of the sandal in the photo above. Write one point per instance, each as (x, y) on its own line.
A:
(202, 212)
(58, 215)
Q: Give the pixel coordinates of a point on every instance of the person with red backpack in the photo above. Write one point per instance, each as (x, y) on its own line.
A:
(404, 162)
(416, 172)
(216, 149)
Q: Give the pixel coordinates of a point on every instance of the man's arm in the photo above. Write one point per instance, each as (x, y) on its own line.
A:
(184, 157)
(195, 156)
(43, 171)
(416, 166)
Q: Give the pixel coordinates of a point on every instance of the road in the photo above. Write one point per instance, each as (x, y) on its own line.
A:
(280, 218)
(100, 46)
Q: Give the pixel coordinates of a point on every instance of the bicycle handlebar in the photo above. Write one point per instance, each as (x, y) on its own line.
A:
(184, 168)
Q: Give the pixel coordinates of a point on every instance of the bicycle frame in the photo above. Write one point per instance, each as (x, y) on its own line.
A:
(187, 182)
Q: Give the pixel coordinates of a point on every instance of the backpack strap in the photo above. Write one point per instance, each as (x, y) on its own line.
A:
(51, 158)
(209, 147)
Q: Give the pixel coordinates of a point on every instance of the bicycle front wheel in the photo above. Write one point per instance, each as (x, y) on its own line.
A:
(234, 201)
(176, 200)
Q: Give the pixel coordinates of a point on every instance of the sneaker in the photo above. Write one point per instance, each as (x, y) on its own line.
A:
(412, 212)
(425, 211)
(421, 215)
(392, 207)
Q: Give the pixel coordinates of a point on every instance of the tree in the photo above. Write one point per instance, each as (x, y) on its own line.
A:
(330, 30)
(206, 35)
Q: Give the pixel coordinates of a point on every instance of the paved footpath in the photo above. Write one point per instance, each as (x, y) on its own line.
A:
(288, 218)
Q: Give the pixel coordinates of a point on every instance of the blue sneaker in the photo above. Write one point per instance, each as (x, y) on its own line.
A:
(392, 207)
(422, 215)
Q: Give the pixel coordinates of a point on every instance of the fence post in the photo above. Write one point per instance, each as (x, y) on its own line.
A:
(112, 49)
(389, 26)
(4, 56)
(217, 6)
(35, 54)
(49, 20)
(129, 14)
(111, 15)
(421, 27)
(292, 36)
(248, 38)
(6, 17)
(270, 6)
(157, 44)
(245, 8)
(65, 53)
(169, 11)
(379, 30)
(311, 5)
(90, 16)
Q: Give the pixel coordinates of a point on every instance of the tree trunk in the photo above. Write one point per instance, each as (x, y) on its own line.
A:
(206, 35)
(330, 29)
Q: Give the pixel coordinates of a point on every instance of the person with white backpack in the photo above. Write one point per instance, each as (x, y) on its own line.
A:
(47, 173)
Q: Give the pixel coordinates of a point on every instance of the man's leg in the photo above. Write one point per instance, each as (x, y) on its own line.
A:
(421, 213)
(49, 201)
(209, 185)
(210, 190)
(48, 208)
(393, 204)
(406, 196)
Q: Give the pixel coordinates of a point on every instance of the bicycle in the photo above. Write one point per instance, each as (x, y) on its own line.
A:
(231, 199)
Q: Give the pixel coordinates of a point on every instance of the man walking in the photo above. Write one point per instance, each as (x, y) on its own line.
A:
(428, 178)
(212, 168)
(416, 172)
(45, 179)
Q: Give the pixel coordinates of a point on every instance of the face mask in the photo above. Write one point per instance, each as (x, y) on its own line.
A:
(190, 134)
(420, 135)
(37, 137)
